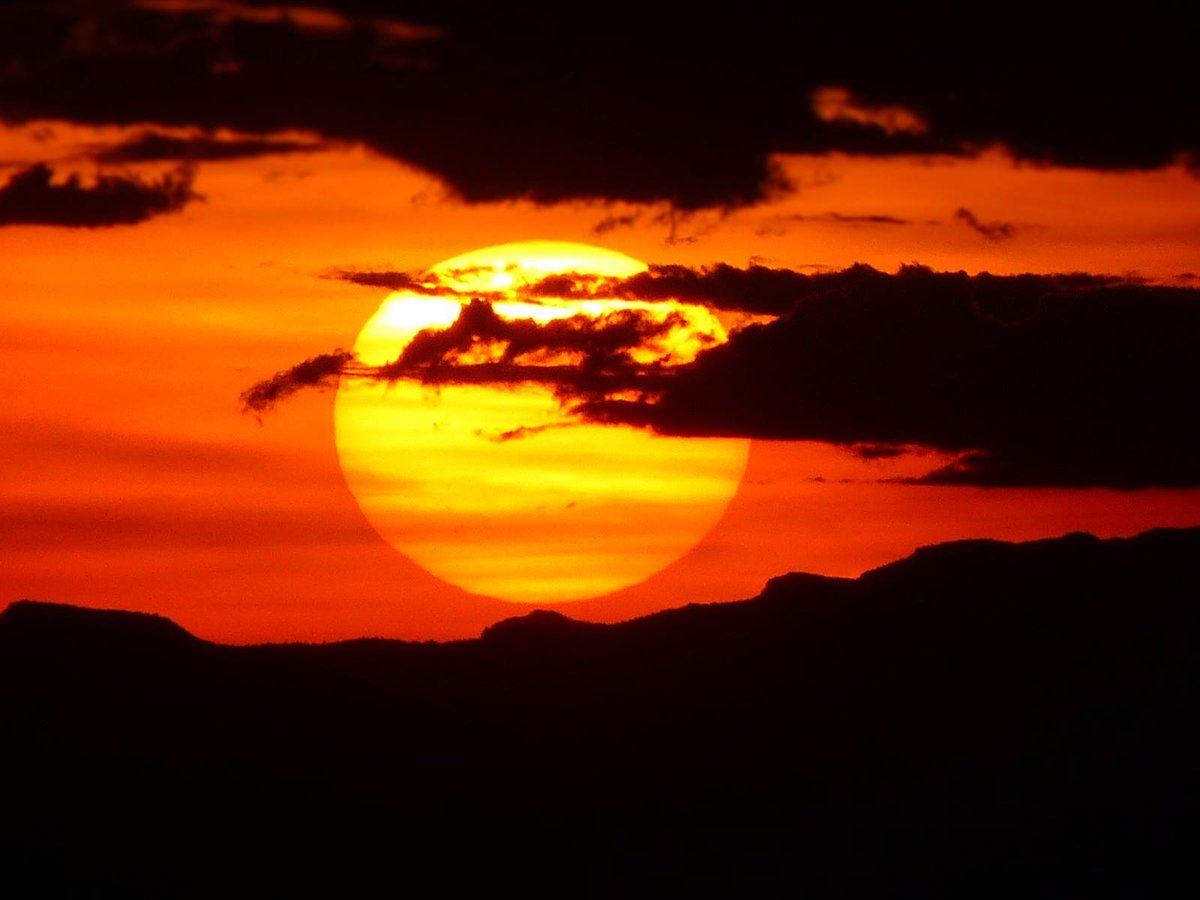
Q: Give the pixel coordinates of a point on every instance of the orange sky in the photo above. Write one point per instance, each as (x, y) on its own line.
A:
(131, 479)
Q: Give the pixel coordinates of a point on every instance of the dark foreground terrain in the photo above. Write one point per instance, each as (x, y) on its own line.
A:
(979, 720)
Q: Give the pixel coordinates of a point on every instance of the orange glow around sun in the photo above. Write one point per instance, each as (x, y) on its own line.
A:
(135, 481)
(561, 512)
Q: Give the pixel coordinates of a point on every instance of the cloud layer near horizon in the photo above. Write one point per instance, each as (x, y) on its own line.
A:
(1069, 380)
(32, 197)
(645, 104)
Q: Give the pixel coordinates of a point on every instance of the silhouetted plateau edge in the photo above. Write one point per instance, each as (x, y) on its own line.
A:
(38, 620)
(979, 719)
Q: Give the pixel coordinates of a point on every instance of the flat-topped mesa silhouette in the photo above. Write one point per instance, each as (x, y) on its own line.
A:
(982, 565)
(978, 719)
(75, 626)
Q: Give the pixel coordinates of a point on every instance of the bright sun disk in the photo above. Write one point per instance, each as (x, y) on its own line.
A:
(569, 510)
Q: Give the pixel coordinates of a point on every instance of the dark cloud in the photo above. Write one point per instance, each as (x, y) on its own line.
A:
(316, 372)
(32, 197)
(1037, 380)
(757, 289)
(393, 281)
(835, 104)
(425, 283)
(154, 146)
(993, 231)
(879, 451)
(780, 225)
(613, 222)
(843, 219)
(580, 355)
(1069, 380)
(643, 105)
(524, 431)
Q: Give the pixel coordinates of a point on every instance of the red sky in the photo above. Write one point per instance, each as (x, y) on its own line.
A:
(131, 478)
(181, 182)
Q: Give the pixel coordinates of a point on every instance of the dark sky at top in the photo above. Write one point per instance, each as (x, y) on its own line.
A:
(625, 101)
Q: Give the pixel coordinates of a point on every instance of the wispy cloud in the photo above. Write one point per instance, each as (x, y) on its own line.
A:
(993, 231)
(33, 197)
(836, 104)
(157, 146)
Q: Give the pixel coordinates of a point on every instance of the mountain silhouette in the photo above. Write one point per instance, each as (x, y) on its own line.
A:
(981, 719)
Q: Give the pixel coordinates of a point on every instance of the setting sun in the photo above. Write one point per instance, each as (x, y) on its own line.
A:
(497, 489)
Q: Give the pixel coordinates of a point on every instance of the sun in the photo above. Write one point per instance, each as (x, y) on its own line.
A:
(493, 488)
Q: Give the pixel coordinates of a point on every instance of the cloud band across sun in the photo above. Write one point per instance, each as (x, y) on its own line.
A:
(1070, 380)
(484, 477)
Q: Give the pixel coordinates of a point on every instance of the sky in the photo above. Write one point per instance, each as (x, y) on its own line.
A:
(957, 261)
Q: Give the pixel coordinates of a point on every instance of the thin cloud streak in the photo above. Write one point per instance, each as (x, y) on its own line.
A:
(155, 146)
(993, 231)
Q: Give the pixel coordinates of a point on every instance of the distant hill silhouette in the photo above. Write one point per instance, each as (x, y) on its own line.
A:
(982, 719)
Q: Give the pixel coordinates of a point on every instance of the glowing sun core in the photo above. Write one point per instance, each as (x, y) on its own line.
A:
(569, 511)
